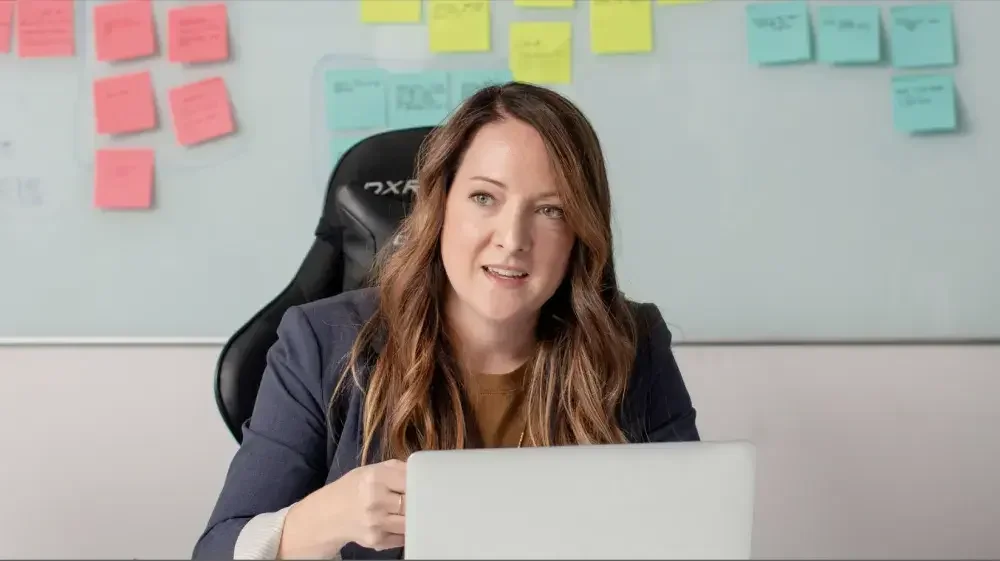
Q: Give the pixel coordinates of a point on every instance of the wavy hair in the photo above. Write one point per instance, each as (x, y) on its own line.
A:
(414, 395)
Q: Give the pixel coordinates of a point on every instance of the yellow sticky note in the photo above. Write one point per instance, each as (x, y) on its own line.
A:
(544, 3)
(621, 26)
(541, 51)
(459, 26)
(390, 11)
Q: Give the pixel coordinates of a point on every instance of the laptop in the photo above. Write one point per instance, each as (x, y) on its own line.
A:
(680, 500)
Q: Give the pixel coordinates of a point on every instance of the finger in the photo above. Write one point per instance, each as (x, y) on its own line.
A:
(391, 541)
(394, 476)
(395, 524)
(392, 503)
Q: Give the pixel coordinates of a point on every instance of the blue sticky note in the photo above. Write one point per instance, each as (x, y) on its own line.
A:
(339, 146)
(924, 103)
(467, 82)
(418, 99)
(921, 36)
(355, 99)
(848, 34)
(778, 32)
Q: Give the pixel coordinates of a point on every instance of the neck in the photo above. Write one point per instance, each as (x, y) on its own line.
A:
(489, 347)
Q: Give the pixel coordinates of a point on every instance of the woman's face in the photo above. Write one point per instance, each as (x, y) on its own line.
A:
(505, 244)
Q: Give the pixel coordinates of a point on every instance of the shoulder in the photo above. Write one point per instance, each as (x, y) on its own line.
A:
(657, 404)
(327, 329)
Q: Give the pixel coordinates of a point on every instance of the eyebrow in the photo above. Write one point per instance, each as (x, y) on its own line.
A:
(503, 185)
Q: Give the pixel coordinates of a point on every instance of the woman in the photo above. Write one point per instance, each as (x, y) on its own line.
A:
(497, 322)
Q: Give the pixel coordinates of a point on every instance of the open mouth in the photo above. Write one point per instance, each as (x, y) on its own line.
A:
(505, 273)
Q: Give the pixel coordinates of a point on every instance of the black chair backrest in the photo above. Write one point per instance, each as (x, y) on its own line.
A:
(369, 192)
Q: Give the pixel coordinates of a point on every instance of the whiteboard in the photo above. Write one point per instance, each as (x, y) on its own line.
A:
(751, 204)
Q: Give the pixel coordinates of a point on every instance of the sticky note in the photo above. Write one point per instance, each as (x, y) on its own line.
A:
(848, 34)
(124, 104)
(544, 3)
(390, 11)
(921, 36)
(123, 30)
(541, 51)
(778, 32)
(418, 99)
(201, 111)
(198, 33)
(339, 146)
(6, 20)
(456, 26)
(45, 28)
(924, 103)
(355, 99)
(464, 83)
(123, 178)
(621, 26)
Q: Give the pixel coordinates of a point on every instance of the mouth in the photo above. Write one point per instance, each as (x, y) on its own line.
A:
(505, 273)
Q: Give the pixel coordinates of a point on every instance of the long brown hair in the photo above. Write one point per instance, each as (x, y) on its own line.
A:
(586, 337)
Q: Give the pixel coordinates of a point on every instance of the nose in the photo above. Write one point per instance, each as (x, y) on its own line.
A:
(513, 231)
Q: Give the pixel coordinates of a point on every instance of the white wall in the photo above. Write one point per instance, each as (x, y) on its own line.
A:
(871, 452)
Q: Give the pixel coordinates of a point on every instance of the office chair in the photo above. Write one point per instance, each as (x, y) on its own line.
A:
(369, 192)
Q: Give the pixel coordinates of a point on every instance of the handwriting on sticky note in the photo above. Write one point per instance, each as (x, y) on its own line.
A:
(544, 3)
(123, 30)
(6, 23)
(464, 83)
(459, 26)
(45, 28)
(621, 26)
(921, 36)
(924, 103)
(778, 32)
(418, 99)
(123, 178)
(848, 34)
(541, 52)
(198, 34)
(390, 11)
(201, 111)
(124, 104)
(355, 99)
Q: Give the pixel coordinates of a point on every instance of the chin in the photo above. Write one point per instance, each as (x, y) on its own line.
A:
(503, 309)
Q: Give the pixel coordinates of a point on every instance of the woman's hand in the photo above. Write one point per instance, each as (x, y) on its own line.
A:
(364, 506)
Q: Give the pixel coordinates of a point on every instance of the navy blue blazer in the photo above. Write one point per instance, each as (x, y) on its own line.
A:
(287, 451)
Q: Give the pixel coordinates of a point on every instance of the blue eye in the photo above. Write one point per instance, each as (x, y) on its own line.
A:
(552, 212)
(481, 199)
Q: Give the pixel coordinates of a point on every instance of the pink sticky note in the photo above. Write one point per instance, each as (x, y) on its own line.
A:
(6, 18)
(45, 28)
(124, 104)
(123, 178)
(198, 33)
(201, 111)
(123, 30)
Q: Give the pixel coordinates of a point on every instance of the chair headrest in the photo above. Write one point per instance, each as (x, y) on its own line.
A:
(370, 191)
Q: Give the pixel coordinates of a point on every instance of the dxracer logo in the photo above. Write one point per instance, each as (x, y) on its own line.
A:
(397, 188)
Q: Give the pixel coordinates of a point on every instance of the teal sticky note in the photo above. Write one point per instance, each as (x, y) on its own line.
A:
(924, 103)
(418, 99)
(778, 32)
(355, 99)
(921, 36)
(467, 82)
(848, 34)
(339, 146)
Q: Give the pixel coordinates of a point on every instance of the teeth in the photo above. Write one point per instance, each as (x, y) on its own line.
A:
(506, 273)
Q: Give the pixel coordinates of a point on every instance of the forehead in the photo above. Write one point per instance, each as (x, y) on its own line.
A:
(511, 152)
